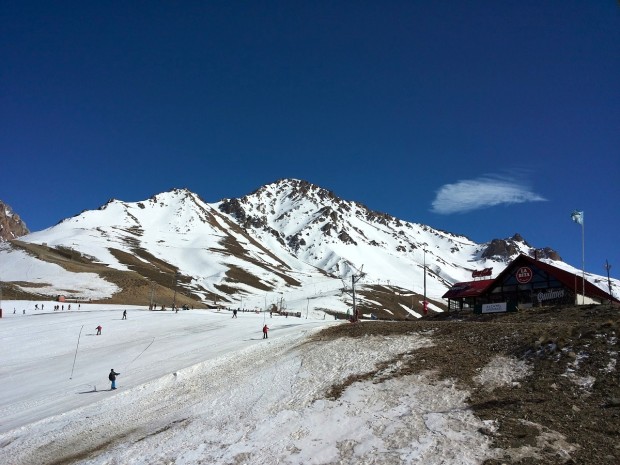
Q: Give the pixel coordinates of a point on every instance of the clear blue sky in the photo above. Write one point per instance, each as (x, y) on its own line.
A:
(479, 118)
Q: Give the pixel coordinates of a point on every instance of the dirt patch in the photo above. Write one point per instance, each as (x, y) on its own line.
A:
(565, 410)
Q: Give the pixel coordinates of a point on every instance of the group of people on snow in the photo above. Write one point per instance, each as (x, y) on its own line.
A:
(112, 375)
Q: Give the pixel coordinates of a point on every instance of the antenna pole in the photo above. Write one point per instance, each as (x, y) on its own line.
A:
(607, 267)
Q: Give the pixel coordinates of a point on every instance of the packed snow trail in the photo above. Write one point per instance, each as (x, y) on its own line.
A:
(38, 352)
(261, 402)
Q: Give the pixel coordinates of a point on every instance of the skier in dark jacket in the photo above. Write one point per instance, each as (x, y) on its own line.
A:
(112, 377)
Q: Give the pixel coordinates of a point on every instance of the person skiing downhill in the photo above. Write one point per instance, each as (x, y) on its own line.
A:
(112, 377)
(98, 328)
(265, 329)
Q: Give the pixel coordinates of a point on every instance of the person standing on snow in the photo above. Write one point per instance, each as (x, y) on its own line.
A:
(124, 314)
(112, 377)
(98, 328)
(265, 329)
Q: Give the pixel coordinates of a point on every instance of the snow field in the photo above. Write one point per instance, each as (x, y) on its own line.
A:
(210, 390)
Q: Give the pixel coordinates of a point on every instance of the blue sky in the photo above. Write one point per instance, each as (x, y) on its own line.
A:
(479, 118)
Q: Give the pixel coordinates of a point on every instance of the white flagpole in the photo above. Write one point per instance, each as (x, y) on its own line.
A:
(583, 260)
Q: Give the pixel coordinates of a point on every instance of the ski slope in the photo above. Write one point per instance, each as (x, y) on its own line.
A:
(199, 386)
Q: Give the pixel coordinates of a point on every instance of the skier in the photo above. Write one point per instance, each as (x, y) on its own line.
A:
(265, 329)
(98, 328)
(124, 314)
(234, 314)
(112, 377)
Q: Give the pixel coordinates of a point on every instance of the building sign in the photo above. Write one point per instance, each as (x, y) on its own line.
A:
(480, 273)
(551, 294)
(498, 307)
(524, 274)
(494, 308)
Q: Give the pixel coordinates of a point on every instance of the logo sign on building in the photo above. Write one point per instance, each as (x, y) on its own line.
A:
(524, 274)
(551, 294)
(481, 273)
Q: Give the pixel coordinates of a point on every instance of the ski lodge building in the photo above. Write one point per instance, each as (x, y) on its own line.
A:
(525, 282)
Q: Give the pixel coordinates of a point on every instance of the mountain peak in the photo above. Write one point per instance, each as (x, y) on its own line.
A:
(295, 188)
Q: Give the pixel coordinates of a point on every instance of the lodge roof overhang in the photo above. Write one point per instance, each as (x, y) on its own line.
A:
(468, 289)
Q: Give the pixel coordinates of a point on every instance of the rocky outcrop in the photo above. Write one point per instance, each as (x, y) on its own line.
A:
(11, 225)
(547, 252)
(502, 248)
(507, 249)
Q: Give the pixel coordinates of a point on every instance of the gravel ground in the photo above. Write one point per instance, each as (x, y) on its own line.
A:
(567, 408)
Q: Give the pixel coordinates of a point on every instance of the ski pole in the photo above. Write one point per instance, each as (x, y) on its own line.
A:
(140, 354)
(76, 351)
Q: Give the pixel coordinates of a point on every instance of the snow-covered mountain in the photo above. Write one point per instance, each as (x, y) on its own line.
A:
(289, 243)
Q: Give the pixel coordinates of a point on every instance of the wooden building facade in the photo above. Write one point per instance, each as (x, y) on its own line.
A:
(526, 282)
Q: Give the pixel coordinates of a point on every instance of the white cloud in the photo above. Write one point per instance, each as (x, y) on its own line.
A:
(474, 194)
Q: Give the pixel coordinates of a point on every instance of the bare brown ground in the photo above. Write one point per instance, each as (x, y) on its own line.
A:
(566, 347)
(147, 276)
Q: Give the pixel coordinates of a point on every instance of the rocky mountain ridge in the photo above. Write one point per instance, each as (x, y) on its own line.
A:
(267, 211)
(289, 238)
(11, 225)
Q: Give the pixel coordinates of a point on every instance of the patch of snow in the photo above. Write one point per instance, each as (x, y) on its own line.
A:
(502, 371)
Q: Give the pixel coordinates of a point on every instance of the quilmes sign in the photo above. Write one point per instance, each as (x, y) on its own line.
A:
(551, 294)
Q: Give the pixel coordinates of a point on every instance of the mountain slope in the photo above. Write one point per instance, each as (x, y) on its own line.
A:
(290, 243)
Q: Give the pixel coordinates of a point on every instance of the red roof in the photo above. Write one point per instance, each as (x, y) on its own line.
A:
(570, 280)
(468, 289)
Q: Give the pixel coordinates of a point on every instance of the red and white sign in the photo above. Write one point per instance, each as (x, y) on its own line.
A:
(480, 273)
(524, 274)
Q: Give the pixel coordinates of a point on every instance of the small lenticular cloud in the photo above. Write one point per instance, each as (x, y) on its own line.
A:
(474, 194)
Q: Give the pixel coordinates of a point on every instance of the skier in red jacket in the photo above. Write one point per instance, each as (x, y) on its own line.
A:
(265, 329)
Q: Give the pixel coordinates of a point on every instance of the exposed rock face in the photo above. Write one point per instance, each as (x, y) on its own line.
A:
(500, 248)
(11, 225)
(547, 252)
(507, 249)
